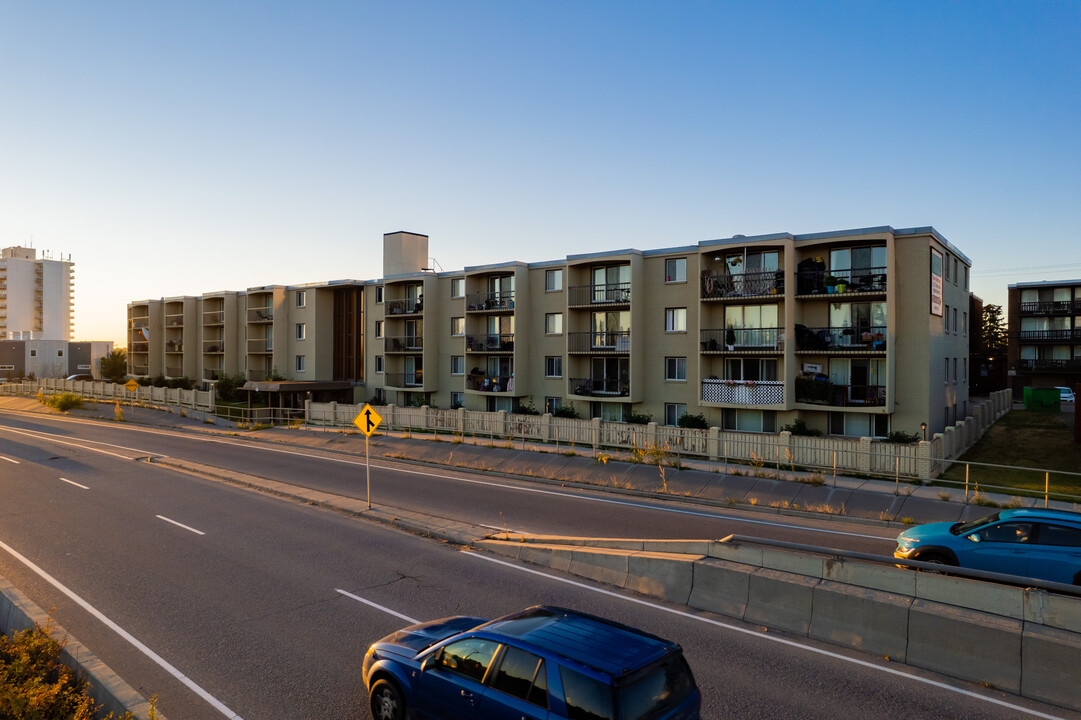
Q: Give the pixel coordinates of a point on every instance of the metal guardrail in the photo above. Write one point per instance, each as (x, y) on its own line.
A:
(1001, 578)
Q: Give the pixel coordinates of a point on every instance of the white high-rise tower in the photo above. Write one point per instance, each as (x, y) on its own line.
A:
(36, 296)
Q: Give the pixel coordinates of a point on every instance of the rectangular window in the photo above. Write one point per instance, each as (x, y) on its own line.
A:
(749, 420)
(379, 328)
(552, 403)
(302, 331)
(300, 363)
(964, 368)
(947, 371)
(675, 270)
(379, 363)
(947, 264)
(955, 371)
(553, 280)
(675, 320)
(946, 320)
(457, 400)
(966, 277)
(457, 364)
(673, 412)
(553, 323)
(964, 324)
(33, 353)
(302, 298)
(60, 353)
(378, 294)
(457, 326)
(955, 321)
(553, 366)
(457, 287)
(955, 273)
(675, 368)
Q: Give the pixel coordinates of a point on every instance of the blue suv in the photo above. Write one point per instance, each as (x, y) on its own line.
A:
(1034, 543)
(543, 663)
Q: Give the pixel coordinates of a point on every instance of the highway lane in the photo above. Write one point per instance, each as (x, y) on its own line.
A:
(462, 495)
(250, 610)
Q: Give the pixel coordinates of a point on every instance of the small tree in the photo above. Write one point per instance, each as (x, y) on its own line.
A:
(114, 366)
(697, 422)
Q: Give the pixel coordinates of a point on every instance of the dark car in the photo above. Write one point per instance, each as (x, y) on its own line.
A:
(1034, 543)
(543, 663)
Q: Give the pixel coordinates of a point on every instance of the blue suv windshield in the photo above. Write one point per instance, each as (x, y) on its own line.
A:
(967, 527)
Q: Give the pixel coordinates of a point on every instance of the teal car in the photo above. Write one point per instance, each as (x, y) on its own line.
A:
(1041, 544)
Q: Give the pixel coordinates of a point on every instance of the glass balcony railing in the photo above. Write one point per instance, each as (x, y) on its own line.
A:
(616, 342)
(868, 338)
(503, 342)
(742, 339)
(599, 387)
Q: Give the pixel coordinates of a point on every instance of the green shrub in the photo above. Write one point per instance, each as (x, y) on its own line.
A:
(799, 427)
(697, 422)
(64, 401)
(227, 388)
(526, 407)
(637, 418)
(566, 411)
(901, 437)
(35, 684)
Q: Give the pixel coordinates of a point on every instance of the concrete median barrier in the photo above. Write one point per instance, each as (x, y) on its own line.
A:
(721, 587)
(1051, 664)
(665, 575)
(780, 600)
(868, 620)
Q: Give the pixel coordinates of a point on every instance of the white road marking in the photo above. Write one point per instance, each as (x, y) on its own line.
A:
(174, 522)
(766, 636)
(52, 438)
(9, 459)
(72, 482)
(377, 606)
(214, 702)
(540, 491)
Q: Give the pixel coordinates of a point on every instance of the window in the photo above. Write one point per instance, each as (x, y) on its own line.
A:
(378, 294)
(379, 363)
(379, 328)
(675, 368)
(457, 400)
(469, 657)
(300, 363)
(946, 320)
(675, 270)
(947, 371)
(675, 320)
(955, 273)
(553, 323)
(553, 280)
(1059, 535)
(964, 368)
(749, 420)
(586, 698)
(947, 264)
(966, 277)
(457, 364)
(955, 321)
(33, 353)
(859, 424)
(60, 353)
(553, 366)
(457, 287)
(552, 403)
(302, 298)
(1008, 532)
(522, 675)
(955, 371)
(457, 326)
(964, 323)
(301, 331)
(673, 412)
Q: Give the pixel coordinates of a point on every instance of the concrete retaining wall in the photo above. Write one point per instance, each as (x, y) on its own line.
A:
(1024, 641)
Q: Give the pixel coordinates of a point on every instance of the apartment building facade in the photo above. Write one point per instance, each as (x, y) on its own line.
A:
(858, 332)
(1043, 321)
(36, 296)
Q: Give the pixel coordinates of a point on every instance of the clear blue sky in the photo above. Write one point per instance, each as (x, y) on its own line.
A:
(181, 148)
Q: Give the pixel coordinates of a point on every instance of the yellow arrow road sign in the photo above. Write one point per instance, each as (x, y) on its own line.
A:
(367, 420)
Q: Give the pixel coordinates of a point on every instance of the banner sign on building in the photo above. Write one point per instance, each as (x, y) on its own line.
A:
(936, 282)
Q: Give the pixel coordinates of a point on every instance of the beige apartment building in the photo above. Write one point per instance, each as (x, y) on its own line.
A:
(1044, 329)
(857, 332)
(35, 295)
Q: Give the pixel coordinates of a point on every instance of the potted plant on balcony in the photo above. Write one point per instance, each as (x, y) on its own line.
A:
(730, 338)
(831, 284)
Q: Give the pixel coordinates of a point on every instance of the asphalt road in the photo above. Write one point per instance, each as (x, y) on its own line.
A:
(254, 602)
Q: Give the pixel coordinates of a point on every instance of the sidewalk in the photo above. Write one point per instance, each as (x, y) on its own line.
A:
(763, 488)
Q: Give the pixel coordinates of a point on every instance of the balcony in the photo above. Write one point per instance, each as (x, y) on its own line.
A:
(1069, 366)
(599, 387)
(743, 392)
(211, 373)
(140, 370)
(259, 375)
(1060, 335)
(213, 347)
(140, 347)
(214, 317)
(490, 383)
(260, 315)
(490, 302)
(716, 286)
(606, 294)
(1051, 307)
(813, 391)
(403, 380)
(174, 320)
(404, 344)
(844, 339)
(174, 346)
(260, 345)
(767, 340)
(501, 343)
(818, 282)
(175, 371)
(409, 306)
(617, 342)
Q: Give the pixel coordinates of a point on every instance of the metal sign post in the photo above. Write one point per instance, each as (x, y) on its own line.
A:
(367, 420)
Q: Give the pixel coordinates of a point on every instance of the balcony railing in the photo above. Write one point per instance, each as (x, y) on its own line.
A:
(140, 347)
(259, 375)
(260, 345)
(503, 342)
(717, 285)
(812, 281)
(823, 392)
(214, 317)
(1070, 366)
(616, 342)
(601, 294)
(409, 306)
(599, 387)
(1051, 307)
(211, 374)
(174, 372)
(176, 320)
(863, 338)
(490, 301)
(213, 346)
(404, 344)
(260, 315)
(174, 346)
(742, 339)
(743, 392)
(490, 383)
(140, 370)
(403, 380)
(1063, 334)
